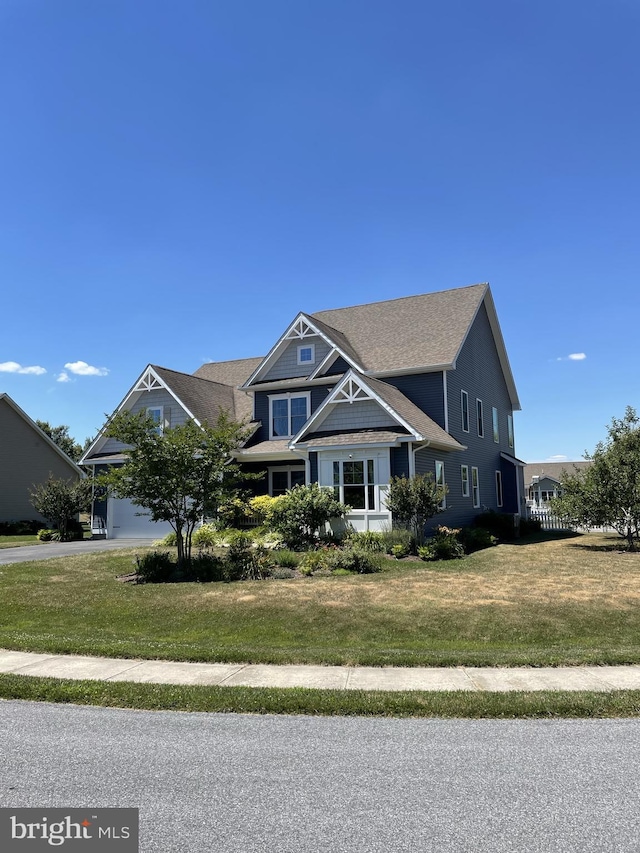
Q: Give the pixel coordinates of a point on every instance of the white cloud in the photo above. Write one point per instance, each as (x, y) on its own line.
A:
(81, 368)
(14, 367)
(557, 458)
(577, 356)
(63, 377)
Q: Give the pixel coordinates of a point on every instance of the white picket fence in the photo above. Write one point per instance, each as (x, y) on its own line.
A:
(551, 521)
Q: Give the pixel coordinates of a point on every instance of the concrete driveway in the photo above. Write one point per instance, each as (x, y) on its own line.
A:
(49, 550)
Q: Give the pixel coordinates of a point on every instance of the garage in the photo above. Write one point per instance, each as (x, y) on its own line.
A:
(126, 522)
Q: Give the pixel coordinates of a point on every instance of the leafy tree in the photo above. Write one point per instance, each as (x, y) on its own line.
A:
(413, 501)
(60, 501)
(179, 475)
(607, 493)
(60, 435)
(301, 512)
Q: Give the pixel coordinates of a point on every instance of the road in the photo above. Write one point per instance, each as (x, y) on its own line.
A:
(50, 550)
(243, 784)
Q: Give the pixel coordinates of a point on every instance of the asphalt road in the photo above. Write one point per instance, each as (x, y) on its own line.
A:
(49, 550)
(243, 784)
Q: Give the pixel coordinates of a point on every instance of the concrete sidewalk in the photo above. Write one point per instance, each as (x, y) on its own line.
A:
(598, 678)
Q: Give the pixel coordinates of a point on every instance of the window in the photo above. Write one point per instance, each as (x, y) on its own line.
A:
(282, 479)
(307, 354)
(440, 483)
(465, 411)
(464, 474)
(354, 483)
(156, 414)
(480, 418)
(499, 488)
(510, 430)
(289, 413)
(496, 431)
(475, 487)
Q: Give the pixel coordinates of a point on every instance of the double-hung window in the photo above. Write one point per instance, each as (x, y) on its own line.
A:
(480, 418)
(496, 427)
(510, 430)
(441, 484)
(283, 479)
(288, 414)
(354, 483)
(156, 413)
(464, 474)
(464, 405)
(475, 487)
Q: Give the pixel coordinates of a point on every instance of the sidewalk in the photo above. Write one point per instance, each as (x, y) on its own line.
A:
(598, 678)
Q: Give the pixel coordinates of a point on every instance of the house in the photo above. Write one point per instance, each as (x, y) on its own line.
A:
(542, 481)
(349, 398)
(27, 457)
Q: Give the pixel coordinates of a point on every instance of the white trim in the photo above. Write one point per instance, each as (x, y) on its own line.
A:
(499, 489)
(480, 420)
(291, 395)
(465, 484)
(287, 469)
(495, 424)
(510, 435)
(441, 481)
(475, 487)
(308, 361)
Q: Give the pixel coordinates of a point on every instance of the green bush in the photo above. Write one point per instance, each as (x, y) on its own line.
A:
(399, 550)
(155, 567)
(355, 560)
(169, 541)
(207, 568)
(398, 536)
(313, 561)
(476, 539)
(279, 573)
(443, 545)
(24, 527)
(367, 540)
(302, 512)
(286, 559)
(205, 536)
(529, 526)
(44, 534)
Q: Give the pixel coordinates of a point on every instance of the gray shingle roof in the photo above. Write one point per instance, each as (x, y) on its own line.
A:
(410, 332)
(370, 436)
(232, 373)
(552, 469)
(203, 398)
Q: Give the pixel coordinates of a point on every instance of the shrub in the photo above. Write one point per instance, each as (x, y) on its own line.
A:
(367, 540)
(498, 523)
(206, 568)
(205, 536)
(476, 539)
(60, 501)
(399, 550)
(44, 534)
(155, 567)
(530, 525)
(24, 527)
(313, 561)
(413, 501)
(261, 506)
(246, 561)
(355, 560)
(301, 512)
(279, 573)
(285, 559)
(398, 536)
(444, 545)
(169, 541)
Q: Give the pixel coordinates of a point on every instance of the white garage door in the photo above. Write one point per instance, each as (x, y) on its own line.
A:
(124, 523)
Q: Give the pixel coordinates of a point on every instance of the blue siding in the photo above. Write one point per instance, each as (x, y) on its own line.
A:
(400, 461)
(426, 390)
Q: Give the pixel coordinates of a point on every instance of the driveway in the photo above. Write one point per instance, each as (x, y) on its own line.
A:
(49, 550)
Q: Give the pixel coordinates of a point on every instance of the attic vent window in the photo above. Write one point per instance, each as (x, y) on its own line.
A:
(306, 354)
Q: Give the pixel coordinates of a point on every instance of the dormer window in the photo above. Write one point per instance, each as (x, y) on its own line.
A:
(306, 354)
(288, 413)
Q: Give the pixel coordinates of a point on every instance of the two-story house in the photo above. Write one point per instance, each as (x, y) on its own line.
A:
(350, 397)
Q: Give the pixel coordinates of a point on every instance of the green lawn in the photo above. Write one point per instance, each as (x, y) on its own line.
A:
(565, 601)
(16, 541)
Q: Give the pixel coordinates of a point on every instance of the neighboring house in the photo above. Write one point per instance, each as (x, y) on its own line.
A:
(27, 457)
(542, 481)
(351, 397)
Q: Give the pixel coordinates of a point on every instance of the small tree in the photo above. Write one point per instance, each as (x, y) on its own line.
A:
(301, 512)
(60, 436)
(180, 475)
(607, 493)
(414, 501)
(60, 501)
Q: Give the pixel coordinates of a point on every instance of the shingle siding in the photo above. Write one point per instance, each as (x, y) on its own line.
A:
(174, 415)
(363, 414)
(287, 365)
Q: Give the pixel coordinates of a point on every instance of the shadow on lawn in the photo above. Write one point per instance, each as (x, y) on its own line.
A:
(545, 536)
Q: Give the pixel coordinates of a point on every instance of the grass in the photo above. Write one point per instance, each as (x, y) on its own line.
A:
(259, 700)
(560, 601)
(16, 541)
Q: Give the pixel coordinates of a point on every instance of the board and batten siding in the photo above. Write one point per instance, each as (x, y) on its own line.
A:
(26, 459)
(287, 367)
(174, 415)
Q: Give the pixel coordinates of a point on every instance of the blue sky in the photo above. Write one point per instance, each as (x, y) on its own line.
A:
(179, 178)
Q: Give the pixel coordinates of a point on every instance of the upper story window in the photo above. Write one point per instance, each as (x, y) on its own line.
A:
(465, 410)
(480, 418)
(306, 354)
(510, 430)
(156, 413)
(288, 413)
(496, 429)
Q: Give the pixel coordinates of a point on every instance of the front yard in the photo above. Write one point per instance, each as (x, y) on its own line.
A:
(558, 601)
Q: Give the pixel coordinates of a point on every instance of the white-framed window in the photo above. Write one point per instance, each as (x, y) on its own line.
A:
(496, 428)
(475, 486)
(510, 430)
(464, 407)
(441, 483)
(480, 418)
(156, 413)
(288, 413)
(464, 476)
(284, 478)
(499, 488)
(306, 354)
(354, 483)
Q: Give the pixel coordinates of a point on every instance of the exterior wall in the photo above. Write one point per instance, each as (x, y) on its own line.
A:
(26, 458)
(400, 461)
(287, 365)
(426, 390)
(460, 511)
(363, 414)
(174, 415)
